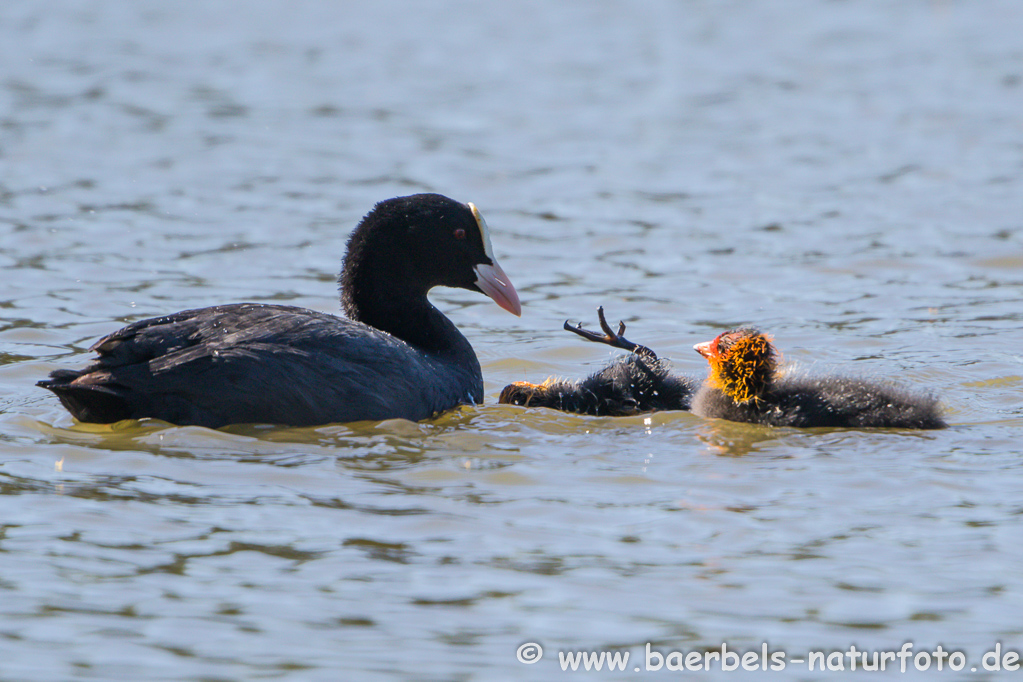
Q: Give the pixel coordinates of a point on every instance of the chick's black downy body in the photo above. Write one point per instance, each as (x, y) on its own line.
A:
(807, 401)
(635, 383)
(630, 385)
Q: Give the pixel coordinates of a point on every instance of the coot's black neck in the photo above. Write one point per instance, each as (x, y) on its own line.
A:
(380, 295)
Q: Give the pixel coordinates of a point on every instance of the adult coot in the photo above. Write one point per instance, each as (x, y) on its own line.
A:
(635, 383)
(745, 385)
(395, 356)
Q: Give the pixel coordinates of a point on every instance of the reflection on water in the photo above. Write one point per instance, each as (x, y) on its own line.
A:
(844, 176)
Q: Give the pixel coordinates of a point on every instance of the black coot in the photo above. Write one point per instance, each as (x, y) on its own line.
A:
(635, 383)
(745, 385)
(395, 356)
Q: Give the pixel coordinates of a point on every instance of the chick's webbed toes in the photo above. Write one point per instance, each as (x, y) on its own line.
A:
(610, 337)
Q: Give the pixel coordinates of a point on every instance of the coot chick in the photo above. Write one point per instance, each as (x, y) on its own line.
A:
(745, 385)
(633, 384)
(394, 356)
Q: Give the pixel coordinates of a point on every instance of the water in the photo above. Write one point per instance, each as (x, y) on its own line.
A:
(848, 176)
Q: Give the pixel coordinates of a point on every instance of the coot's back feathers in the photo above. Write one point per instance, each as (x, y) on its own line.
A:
(397, 355)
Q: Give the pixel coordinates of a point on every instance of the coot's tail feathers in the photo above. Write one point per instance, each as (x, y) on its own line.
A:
(87, 402)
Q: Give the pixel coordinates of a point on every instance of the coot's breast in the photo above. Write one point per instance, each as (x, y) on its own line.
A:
(248, 363)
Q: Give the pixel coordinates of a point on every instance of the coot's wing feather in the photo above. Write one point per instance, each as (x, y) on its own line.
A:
(156, 336)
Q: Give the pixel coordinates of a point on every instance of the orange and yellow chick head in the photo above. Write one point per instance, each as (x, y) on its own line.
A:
(742, 363)
(523, 393)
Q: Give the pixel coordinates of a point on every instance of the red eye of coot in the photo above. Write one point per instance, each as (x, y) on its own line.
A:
(459, 233)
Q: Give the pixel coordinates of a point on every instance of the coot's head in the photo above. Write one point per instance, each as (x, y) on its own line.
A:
(742, 363)
(407, 245)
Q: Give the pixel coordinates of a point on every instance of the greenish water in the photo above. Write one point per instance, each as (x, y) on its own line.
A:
(848, 176)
